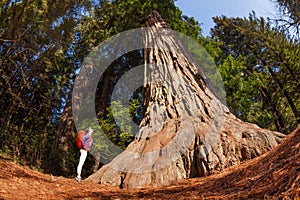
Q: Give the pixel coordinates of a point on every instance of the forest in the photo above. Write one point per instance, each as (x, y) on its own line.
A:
(44, 43)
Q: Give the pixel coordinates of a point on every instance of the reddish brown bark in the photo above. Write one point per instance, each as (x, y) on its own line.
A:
(186, 131)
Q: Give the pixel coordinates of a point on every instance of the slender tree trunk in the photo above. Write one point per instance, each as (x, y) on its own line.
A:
(186, 131)
(63, 148)
(287, 96)
(278, 121)
(61, 160)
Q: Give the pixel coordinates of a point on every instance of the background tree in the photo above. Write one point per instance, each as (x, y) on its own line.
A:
(290, 15)
(35, 42)
(261, 62)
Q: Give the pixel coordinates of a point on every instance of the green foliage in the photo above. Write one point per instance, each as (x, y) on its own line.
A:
(116, 125)
(260, 71)
(114, 131)
(116, 16)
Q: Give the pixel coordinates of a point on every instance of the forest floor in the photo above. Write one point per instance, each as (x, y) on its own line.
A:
(274, 175)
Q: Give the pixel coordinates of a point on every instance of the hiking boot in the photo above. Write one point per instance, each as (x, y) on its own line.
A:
(78, 179)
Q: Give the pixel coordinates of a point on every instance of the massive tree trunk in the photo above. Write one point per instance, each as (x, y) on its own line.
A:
(186, 130)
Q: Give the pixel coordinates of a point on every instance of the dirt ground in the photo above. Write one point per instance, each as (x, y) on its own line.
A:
(275, 175)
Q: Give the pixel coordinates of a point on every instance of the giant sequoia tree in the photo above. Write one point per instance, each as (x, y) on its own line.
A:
(110, 18)
(186, 131)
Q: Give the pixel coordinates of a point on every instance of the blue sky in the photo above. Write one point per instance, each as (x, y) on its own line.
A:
(204, 10)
